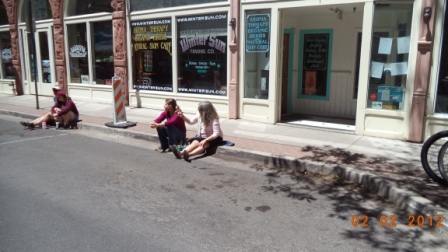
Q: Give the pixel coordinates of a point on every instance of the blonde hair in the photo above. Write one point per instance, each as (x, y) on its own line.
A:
(208, 112)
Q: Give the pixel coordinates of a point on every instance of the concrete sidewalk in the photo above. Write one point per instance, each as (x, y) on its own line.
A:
(389, 167)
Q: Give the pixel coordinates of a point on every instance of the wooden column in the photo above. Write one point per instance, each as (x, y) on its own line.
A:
(422, 72)
(233, 90)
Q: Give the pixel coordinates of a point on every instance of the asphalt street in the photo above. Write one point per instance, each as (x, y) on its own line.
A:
(76, 190)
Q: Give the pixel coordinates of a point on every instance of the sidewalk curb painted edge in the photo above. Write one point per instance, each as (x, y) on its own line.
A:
(408, 201)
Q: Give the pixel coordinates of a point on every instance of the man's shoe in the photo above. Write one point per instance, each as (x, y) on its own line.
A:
(175, 151)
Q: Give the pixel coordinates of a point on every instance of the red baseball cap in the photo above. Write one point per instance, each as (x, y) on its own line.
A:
(60, 93)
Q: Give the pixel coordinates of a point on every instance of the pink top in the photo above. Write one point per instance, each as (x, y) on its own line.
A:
(173, 120)
(214, 129)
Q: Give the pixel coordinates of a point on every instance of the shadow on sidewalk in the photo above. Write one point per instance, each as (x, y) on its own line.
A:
(404, 176)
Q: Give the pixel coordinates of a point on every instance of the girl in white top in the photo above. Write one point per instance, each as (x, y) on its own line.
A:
(209, 133)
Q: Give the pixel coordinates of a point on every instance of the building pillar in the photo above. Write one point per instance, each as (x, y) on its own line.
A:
(58, 24)
(11, 10)
(234, 62)
(422, 71)
(120, 55)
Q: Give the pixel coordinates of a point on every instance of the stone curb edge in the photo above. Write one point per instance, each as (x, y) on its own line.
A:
(408, 201)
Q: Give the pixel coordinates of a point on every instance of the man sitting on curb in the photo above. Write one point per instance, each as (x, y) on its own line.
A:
(65, 111)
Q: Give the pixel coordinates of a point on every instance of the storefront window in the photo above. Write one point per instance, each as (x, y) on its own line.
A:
(442, 88)
(202, 54)
(41, 10)
(7, 69)
(256, 82)
(78, 54)
(389, 56)
(3, 14)
(152, 55)
(101, 60)
(103, 53)
(139, 5)
(85, 7)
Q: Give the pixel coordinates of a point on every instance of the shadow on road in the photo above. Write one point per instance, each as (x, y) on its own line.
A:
(348, 203)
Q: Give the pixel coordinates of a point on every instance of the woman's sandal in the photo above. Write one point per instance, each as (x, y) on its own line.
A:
(186, 156)
(175, 151)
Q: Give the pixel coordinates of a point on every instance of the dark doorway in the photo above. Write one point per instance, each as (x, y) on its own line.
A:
(285, 72)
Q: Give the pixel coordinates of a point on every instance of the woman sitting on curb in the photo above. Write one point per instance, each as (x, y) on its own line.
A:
(209, 133)
(48, 117)
(65, 111)
(172, 131)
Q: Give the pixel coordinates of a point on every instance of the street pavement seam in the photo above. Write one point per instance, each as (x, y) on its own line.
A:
(406, 200)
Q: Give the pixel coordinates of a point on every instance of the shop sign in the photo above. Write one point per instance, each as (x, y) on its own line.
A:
(202, 65)
(152, 54)
(152, 35)
(314, 63)
(257, 32)
(202, 53)
(78, 51)
(6, 54)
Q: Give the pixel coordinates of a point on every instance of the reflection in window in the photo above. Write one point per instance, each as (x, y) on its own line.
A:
(85, 7)
(7, 69)
(389, 56)
(45, 57)
(3, 14)
(256, 83)
(442, 88)
(202, 49)
(77, 53)
(139, 5)
(152, 49)
(41, 10)
(103, 54)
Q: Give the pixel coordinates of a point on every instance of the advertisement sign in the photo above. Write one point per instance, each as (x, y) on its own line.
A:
(152, 54)
(257, 32)
(202, 54)
(391, 94)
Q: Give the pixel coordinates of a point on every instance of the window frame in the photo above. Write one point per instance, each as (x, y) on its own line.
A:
(88, 20)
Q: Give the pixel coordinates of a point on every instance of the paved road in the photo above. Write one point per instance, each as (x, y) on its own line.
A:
(87, 191)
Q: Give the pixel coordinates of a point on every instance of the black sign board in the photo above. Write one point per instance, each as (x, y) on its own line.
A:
(315, 51)
(315, 63)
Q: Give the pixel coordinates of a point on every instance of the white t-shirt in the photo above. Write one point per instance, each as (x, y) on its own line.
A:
(214, 129)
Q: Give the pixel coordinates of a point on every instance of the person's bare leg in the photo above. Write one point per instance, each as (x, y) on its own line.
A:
(38, 122)
(197, 151)
(194, 149)
(68, 117)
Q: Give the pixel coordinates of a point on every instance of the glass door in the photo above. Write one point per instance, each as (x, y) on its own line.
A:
(45, 64)
(43, 56)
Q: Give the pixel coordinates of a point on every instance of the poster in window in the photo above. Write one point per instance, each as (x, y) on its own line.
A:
(310, 82)
(202, 54)
(314, 60)
(152, 55)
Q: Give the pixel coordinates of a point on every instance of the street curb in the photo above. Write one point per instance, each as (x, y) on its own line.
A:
(405, 200)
